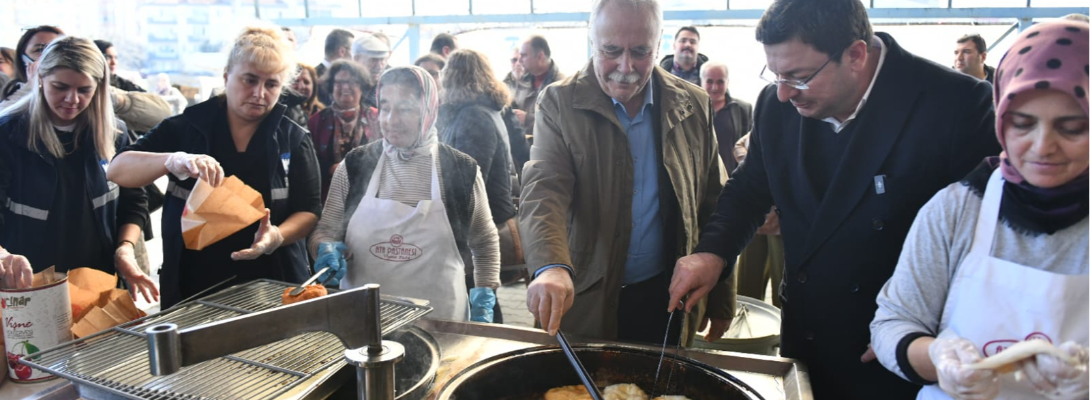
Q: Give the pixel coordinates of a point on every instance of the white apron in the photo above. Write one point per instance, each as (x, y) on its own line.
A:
(995, 303)
(410, 251)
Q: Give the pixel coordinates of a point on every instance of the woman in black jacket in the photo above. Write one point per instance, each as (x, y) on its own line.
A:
(55, 146)
(470, 121)
(245, 133)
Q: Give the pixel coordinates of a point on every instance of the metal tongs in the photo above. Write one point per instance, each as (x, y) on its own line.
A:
(580, 370)
(662, 355)
(303, 286)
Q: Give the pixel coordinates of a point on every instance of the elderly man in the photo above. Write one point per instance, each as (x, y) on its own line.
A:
(851, 139)
(733, 117)
(371, 51)
(539, 71)
(686, 60)
(623, 172)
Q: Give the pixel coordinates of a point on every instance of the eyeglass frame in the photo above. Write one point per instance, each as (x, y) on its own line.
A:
(795, 83)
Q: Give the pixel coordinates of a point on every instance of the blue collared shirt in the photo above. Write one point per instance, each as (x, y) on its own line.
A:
(646, 245)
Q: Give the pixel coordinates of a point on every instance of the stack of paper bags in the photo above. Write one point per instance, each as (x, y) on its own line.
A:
(212, 214)
(97, 304)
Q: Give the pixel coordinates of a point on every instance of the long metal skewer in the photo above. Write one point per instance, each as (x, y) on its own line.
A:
(584, 376)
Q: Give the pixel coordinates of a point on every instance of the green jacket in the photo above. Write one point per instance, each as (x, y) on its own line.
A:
(576, 200)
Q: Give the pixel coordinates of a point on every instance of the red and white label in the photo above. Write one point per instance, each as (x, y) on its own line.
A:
(396, 250)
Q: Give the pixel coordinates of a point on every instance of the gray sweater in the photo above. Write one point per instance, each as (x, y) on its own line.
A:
(912, 300)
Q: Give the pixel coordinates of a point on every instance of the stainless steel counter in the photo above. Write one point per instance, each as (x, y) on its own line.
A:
(463, 344)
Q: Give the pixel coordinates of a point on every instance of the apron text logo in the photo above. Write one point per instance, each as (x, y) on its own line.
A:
(396, 250)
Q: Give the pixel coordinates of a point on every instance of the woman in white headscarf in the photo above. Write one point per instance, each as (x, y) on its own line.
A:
(411, 210)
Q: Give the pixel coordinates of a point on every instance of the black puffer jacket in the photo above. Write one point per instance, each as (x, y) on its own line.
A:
(476, 128)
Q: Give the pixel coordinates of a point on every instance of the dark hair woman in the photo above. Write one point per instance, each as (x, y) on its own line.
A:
(27, 50)
(347, 122)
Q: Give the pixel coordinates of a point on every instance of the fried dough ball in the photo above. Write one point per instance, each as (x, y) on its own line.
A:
(623, 391)
(311, 291)
(573, 392)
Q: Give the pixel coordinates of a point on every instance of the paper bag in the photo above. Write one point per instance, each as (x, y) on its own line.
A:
(212, 214)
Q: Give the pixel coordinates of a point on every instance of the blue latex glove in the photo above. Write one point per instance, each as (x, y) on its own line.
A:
(331, 254)
(481, 302)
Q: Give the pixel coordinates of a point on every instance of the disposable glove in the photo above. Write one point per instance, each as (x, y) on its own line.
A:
(950, 357)
(1056, 379)
(184, 166)
(15, 271)
(331, 254)
(266, 240)
(481, 301)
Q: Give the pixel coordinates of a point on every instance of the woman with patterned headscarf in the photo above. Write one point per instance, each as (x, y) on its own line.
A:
(1001, 257)
(410, 210)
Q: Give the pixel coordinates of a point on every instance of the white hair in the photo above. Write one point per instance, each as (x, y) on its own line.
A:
(713, 64)
(600, 5)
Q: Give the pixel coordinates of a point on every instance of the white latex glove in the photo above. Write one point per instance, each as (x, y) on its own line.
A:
(266, 241)
(1056, 379)
(15, 271)
(950, 355)
(185, 165)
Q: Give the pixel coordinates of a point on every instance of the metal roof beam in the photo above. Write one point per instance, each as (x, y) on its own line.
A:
(688, 15)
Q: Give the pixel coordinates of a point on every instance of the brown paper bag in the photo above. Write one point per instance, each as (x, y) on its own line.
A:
(212, 214)
(85, 288)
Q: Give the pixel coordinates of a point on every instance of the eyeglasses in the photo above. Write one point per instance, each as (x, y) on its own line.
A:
(795, 83)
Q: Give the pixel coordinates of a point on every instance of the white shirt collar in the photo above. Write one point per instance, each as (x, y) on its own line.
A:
(326, 63)
(837, 125)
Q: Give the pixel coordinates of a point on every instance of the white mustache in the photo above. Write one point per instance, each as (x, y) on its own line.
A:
(624, 78)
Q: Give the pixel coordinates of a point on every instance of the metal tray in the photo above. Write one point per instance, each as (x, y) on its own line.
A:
(114, 363)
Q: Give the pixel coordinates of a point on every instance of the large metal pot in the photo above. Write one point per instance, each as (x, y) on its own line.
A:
(529, 373)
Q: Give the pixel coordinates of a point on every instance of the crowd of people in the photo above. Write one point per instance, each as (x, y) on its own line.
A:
(907, 215)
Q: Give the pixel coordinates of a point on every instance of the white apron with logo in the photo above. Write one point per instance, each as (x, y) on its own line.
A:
(410, 251)
(995, 303)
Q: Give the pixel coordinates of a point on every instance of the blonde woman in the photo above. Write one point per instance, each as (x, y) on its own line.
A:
(243, 132)
(57, 143)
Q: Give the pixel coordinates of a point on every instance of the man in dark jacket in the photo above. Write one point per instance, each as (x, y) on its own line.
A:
(849, 142)
(110, 52)
(539, 71)
(686, 61)
(733, 117)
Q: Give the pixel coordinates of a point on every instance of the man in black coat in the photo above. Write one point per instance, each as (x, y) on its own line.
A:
(852, 138)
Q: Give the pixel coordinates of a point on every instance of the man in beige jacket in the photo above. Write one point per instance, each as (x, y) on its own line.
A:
(623, 172)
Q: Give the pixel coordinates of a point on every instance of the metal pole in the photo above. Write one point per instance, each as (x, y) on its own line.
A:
(359, 7)
(413, 34)
(257, 9)
(531, 6)
(414, 7)
(1004, 36)
(1024, 23)
(949, 3)
(470, 7)
(306, 8)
